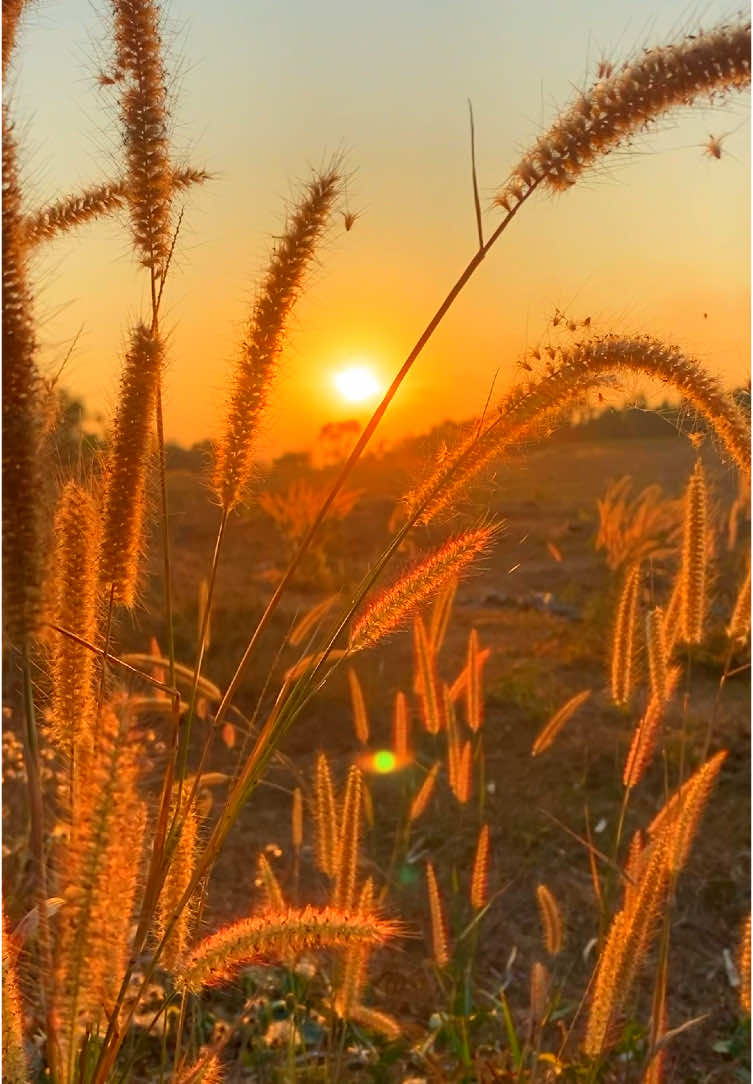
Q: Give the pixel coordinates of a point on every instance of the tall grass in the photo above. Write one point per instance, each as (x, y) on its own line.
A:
(120, 868)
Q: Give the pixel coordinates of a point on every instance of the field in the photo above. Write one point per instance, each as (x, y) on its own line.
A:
(548, 624)
(413, 760)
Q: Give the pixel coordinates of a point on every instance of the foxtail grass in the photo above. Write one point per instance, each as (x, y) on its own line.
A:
(743, 967)
(356, 960)
(620, 105)
(632, 929)
(548, 733)
(424, 793)
(426, 678)
(579, 370)
(218, 958)
(127, 467)
(401, 729)
(739, 624)
(74, 592)
(343, 893)
(23, 481)
(551, 920)
(95, 924)
(474, 699)
(325, 818)
(179, 872)
(360, 715)
(273, 897)
(439, 940)
(646, 733)
(144, 120)
(480, 875)
(440, 614)
(656, 644)
(391, 610)
(693, 573)
(70, 212)
(265, 334)
(623, 637)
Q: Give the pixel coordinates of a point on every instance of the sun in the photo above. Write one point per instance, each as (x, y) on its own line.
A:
(356, 383)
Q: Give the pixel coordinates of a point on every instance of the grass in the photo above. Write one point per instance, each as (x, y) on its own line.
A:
(404, 941)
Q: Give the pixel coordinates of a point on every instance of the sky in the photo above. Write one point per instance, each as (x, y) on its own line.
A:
(656, 240)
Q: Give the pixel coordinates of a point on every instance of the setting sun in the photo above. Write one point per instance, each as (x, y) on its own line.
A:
(356, 383)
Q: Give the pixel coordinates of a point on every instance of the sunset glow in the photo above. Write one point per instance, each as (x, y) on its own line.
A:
(357, 383)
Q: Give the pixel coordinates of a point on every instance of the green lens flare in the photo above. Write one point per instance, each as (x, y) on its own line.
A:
(384, 761)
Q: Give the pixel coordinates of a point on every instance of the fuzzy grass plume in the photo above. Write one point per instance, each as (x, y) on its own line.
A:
(325, 818)
(474, 698)
(546, 736)
(94, 925)
(65, 214)
(694, 558)
(743, 967)
(480, 875)
(401, 729)
(178, 877)
(621, 105)
(127, 465)
(274, 935)
(623, 638)
(656, 644)
(265, 334)
(360, 715)
(426, 678)
(23, 483)
(633, 927)
(424, 793)
(551, 920)
(144, 119)
(356, 960)
(74, 589)
(646, 733)
(739, 625)
(439, 941)
(579, 369)
(393, 607)
(347, 849)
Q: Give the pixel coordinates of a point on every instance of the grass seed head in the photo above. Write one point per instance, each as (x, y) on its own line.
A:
(144, 119)
(623, 640)
(265, 334)
(551, 920)
(347, 850)
(626, 101)
(480, 876)
(276, 935)
(438, 925)
(127, 465)
(74, 606)
(325, 818)
(390, 611)
(421, 800)
(23, 482)
(693, 572)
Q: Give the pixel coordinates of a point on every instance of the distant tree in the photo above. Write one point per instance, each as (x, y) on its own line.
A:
(335, 440)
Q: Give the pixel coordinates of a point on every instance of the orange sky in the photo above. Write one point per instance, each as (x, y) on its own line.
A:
(652, 242)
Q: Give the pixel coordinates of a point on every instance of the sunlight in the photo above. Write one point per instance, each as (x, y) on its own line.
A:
(357, 383)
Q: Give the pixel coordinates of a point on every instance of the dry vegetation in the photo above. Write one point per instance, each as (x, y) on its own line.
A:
(425, 922)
